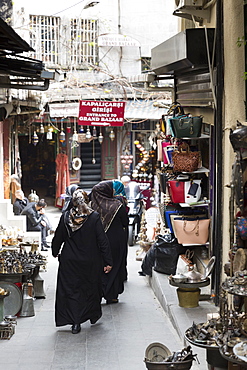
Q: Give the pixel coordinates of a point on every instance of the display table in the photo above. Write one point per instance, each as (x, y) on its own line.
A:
(189, 293)
(213, 355)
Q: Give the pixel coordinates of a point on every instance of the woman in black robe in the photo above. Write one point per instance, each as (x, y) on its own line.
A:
(85, 256)
(115, 221)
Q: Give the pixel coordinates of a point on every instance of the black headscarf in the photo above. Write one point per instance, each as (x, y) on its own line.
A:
(103, 201)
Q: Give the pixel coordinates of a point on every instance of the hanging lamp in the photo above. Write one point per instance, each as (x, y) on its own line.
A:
(35, 138)
(101, 137)
(62, 134)
(88, 134)
(112, 135)
(75, 135)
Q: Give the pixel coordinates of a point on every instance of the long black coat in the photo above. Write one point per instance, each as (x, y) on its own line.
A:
(113, 283)
(79, 285)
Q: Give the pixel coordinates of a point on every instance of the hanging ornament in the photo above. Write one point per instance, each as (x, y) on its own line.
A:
(41, 129)
(35, 138)
(94, 131)
(68, 127)
(75, 135)
(88, 134)
(61, 137)
(112, 135)
(49, 132)
(62, 134)
(81, 130)
(100, 138)
(93, 159)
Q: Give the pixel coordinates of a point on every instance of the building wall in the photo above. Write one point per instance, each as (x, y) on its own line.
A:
(234, 97)
(143, 22)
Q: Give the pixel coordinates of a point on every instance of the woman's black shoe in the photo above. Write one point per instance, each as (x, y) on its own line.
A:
(44, 249)
(76, 328)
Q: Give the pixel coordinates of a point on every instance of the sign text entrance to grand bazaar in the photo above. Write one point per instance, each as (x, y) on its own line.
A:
(101, 113)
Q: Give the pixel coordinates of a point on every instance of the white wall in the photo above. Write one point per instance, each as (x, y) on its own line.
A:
(149, 22)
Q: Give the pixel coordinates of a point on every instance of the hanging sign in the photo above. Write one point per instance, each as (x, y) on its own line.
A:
(116, 39)
(101, 113)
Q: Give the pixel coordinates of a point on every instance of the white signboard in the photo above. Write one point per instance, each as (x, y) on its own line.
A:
(115, 39)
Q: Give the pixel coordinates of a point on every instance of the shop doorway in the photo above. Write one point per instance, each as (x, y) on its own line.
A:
(38, 167)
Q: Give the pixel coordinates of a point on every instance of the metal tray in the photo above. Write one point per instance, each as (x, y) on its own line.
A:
(12, 303)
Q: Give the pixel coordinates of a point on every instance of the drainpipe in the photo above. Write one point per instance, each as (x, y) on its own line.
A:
(218, 153)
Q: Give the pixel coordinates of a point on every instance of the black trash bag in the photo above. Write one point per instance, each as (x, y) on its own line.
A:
(148, 261)
(167, 249)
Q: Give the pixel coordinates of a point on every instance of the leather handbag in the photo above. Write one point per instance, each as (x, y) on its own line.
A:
(185, 160)
(184, 191)
(191, 231)
(176, 191)
(185, 126)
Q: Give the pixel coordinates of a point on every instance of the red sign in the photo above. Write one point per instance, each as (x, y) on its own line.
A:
(101, 113)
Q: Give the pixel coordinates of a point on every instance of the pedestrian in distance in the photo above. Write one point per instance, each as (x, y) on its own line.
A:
(119, 193)
(68, 198)
(84, 254)
(20, 202)
(35, 215)
(115, 221)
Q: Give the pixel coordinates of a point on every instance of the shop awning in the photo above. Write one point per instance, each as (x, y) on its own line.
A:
(142, 109)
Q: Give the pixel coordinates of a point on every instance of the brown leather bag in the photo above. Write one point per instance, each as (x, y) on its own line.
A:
(184, 160)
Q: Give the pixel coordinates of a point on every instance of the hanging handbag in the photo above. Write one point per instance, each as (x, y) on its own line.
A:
(192, 231)
(184, 191)
(185, 126)
(176, 191)
(164, 144)
(185, 160)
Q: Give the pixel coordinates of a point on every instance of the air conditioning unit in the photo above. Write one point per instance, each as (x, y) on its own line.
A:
(189, 3)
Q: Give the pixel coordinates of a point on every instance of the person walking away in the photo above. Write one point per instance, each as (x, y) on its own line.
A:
(20, 202)
(115, 221)
(119, 193)
(35, 220)
(83, 251)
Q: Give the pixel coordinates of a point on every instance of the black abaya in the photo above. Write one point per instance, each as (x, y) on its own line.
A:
(79, 285)
(113, 283)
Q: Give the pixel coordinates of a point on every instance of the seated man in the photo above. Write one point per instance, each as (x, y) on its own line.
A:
(20, 202)
(35, 220)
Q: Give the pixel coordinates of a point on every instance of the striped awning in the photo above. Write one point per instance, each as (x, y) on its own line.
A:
(142, 109)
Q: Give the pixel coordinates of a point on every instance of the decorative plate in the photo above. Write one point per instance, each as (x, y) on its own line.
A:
(240, 350)
(76, 163)
(12, 303)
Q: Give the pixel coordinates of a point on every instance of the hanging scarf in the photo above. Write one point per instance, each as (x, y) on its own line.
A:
(104, 203)
(80, 211)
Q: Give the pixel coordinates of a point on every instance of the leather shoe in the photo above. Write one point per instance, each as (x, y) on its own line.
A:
(44, 249)
(76, 328)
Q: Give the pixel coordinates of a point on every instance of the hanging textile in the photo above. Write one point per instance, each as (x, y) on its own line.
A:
(62, 174)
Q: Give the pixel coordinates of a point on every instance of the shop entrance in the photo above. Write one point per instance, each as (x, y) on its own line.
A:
(38, 167)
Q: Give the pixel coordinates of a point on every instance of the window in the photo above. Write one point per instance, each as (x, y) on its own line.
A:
(44, 38)
(84, 33)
